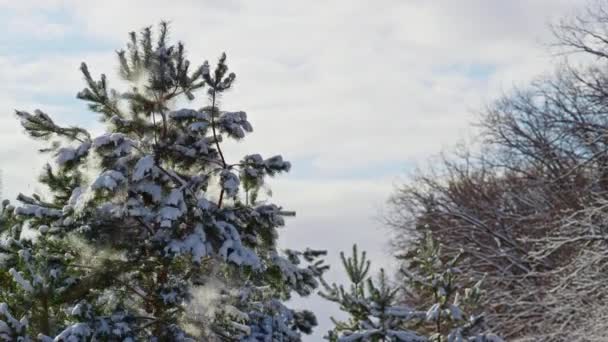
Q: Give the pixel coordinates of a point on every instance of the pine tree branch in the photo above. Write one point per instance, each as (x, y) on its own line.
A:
(102, 278)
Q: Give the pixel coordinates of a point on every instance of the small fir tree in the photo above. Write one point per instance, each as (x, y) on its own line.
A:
(375, 313)
(149, 231)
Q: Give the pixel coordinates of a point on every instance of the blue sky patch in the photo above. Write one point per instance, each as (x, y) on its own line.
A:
(474, 71)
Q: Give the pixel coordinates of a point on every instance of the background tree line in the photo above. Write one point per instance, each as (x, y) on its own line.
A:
(528, 204)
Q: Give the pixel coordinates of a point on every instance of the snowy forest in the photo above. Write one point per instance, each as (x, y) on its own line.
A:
(151, 231)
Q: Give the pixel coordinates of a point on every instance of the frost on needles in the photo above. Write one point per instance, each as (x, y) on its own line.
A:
(376, 313)
(149, 231)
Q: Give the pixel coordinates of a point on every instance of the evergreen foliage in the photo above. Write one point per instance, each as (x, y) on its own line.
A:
(377, 314)
(149, 231)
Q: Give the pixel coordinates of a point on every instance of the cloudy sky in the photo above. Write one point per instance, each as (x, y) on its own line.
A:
(355, 93)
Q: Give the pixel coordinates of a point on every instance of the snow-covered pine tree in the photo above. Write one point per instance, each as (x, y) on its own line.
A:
(376, 314)
(150, 231)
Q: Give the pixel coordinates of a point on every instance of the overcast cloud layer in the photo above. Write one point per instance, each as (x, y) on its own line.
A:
(354, 93)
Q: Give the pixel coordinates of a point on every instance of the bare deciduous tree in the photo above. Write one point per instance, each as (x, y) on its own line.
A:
(531, 210)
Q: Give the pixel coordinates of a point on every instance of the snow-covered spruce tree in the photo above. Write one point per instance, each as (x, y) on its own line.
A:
(376, 313)
(150, 231)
